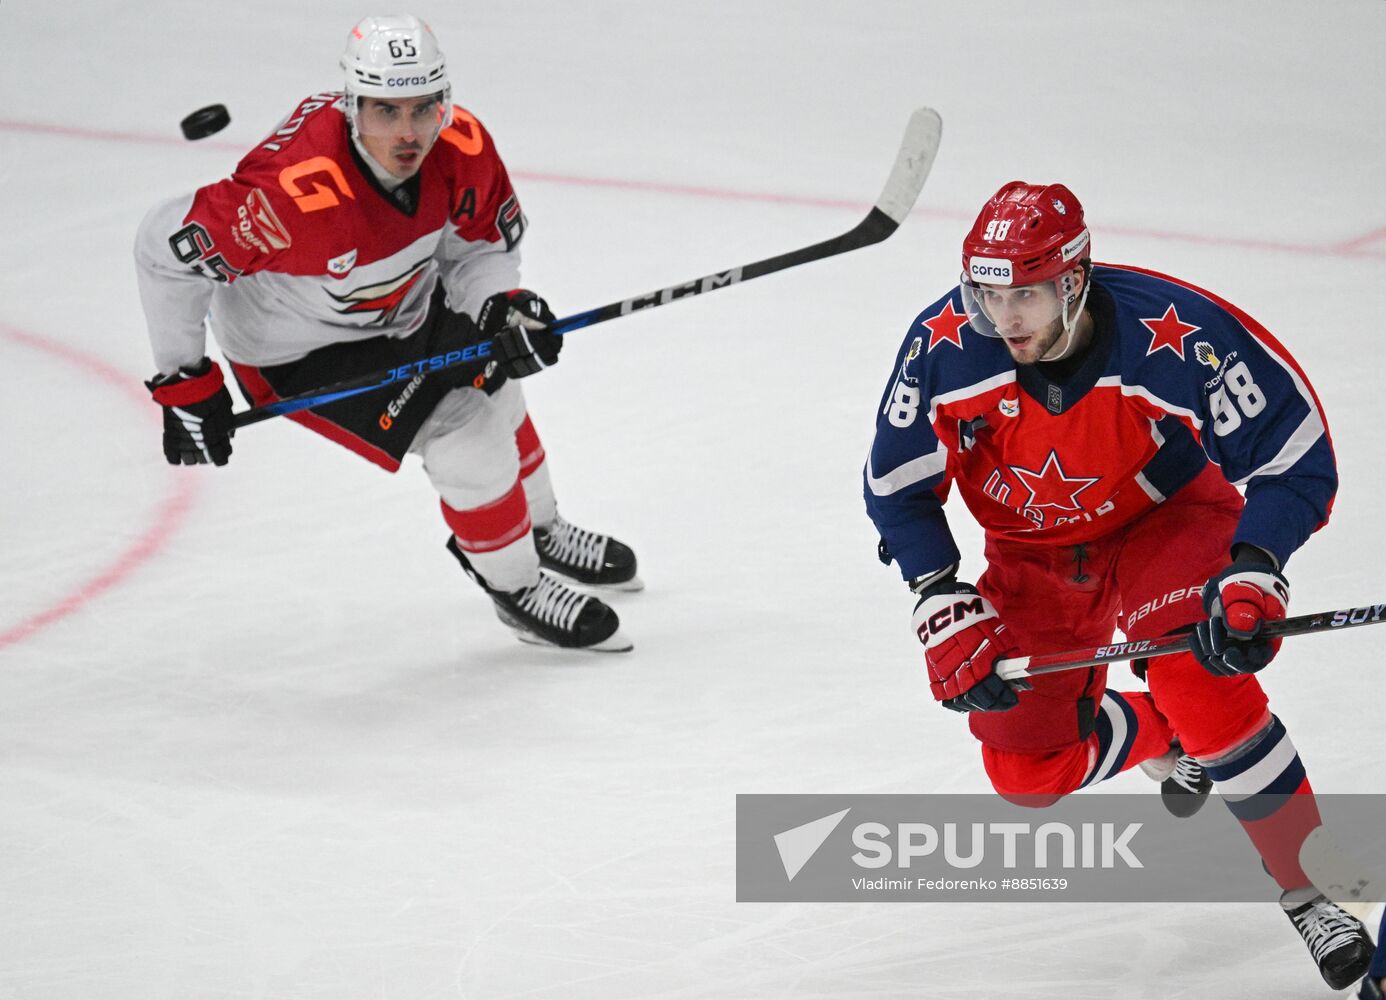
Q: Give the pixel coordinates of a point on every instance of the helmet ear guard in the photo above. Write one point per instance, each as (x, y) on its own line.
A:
(1066, 282)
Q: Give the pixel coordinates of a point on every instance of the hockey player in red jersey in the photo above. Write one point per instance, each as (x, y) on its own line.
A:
(375, 227)
(1095, 419)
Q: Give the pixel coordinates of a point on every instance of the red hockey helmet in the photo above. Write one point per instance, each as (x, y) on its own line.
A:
(1025, 234)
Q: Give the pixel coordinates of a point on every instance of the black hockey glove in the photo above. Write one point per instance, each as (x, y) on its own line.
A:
(518, 322)
(197, 414)
(1238, 600)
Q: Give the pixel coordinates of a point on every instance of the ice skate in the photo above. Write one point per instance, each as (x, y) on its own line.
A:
(1184, 784)
(586, 557)
(550, 613)
(1337, 941)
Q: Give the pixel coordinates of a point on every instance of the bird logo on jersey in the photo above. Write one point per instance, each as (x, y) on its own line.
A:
(913, 353)
(384, 298)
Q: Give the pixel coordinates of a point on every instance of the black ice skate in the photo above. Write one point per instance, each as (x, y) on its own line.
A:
(586, 557)
(1184, 784)
(1337, 940)
(552, 614)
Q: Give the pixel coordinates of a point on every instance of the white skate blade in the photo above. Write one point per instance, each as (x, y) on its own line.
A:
(1338, 876)
(616, 642)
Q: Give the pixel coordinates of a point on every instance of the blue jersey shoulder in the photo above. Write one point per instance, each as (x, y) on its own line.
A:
(1169, 332)
(942, 354)
(1203, 359)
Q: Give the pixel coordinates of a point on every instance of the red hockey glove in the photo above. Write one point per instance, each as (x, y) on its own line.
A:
(1238, 600)
(197, 414)
(518, 322)
(963, 638)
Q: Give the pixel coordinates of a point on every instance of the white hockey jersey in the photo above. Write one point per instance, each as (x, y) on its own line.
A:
(301, 247)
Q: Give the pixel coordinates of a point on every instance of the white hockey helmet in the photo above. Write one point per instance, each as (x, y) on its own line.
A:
(393, 56)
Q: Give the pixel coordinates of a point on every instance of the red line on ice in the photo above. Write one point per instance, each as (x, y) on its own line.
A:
(1366, 239)
(1353, 246)
(169, 516)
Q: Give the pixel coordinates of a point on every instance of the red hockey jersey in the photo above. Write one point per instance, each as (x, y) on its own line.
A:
(303, 247)
(1175, 378)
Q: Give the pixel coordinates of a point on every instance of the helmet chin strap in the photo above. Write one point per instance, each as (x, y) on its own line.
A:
(1064, 346)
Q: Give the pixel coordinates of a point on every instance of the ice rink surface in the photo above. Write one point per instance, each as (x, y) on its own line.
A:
(259, 738)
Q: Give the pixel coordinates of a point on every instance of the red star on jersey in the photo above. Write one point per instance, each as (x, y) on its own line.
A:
(1168, 331)
(1050, 487)
(946, 325)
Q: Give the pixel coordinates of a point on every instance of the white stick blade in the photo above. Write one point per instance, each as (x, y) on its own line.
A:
(912, 164)
(1338, 876)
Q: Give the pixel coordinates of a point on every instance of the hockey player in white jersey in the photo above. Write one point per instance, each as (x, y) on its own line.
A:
(372, 228)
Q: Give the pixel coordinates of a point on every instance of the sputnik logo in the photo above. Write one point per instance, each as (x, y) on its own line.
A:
(798, 845)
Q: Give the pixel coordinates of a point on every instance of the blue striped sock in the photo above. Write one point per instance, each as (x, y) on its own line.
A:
(1252, 782)
(1116, 732)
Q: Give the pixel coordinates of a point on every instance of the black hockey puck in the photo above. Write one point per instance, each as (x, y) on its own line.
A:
(205, 121)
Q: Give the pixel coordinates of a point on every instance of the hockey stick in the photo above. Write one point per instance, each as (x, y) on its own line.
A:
(902, 187)
(1021, 667)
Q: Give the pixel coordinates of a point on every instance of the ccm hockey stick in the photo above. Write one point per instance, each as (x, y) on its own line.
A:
(902, 187)
(1020, 667)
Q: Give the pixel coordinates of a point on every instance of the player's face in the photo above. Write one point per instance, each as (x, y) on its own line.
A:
(399, 133)
(1029, 318)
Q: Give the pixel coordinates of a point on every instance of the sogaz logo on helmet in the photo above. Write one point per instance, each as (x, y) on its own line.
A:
(407, 81)
(991, 270)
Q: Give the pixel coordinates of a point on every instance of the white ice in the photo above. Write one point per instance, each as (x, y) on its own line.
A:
(259, 738)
